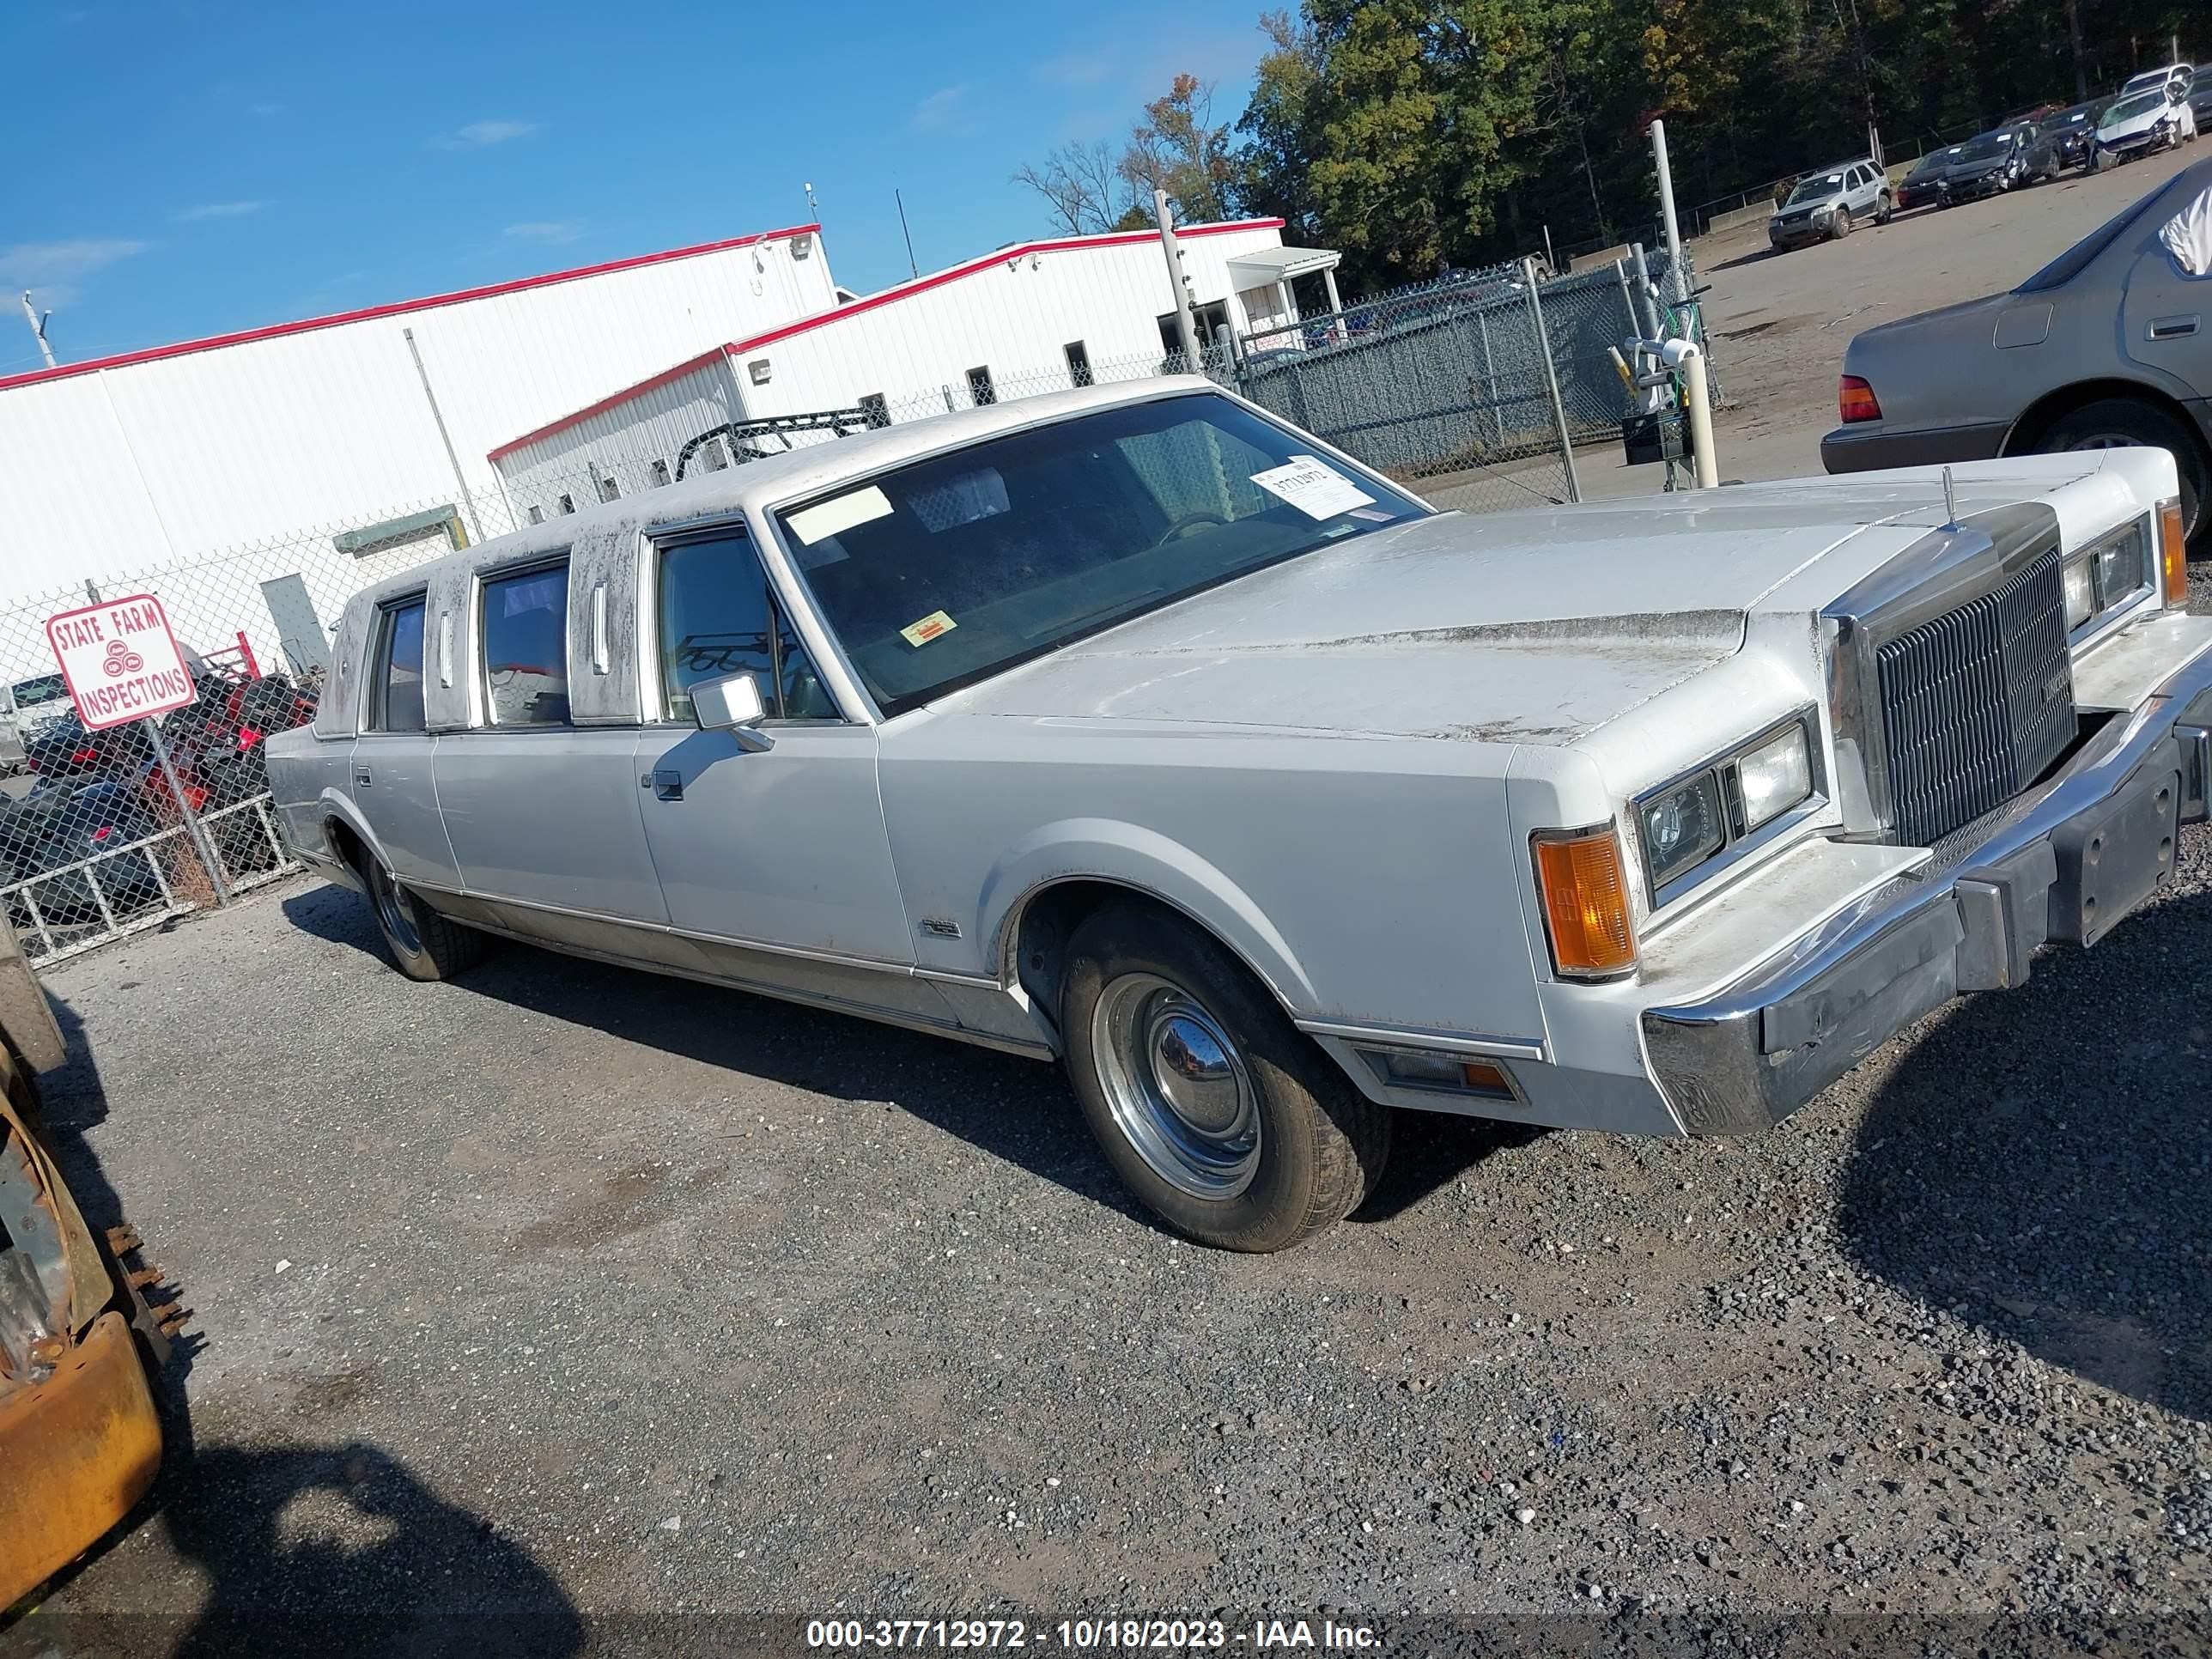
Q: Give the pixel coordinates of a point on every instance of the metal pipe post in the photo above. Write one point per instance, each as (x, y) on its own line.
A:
(1651, 328)
(1490, 379)
(1667, 211)
(1551, 379)
(200, 844)
(467, 505)
(1186, 327)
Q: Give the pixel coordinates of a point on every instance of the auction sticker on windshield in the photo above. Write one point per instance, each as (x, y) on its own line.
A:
(121, 661)
(928, 628)
(1315, 489)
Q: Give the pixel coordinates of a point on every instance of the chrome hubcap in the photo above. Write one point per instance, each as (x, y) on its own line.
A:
(394, 910)
(1177, 1086)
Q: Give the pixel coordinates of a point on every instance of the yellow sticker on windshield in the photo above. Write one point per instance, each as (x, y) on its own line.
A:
(928, 628)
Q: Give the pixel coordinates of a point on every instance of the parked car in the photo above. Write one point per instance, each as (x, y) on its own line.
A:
(1823, 206)
(2068, 136)
(1923, 185)
(2102, 346)
(2143, 123)
(2170, 76)
(2200, 98)
(1133, 727)
(22, 705)
(1992, 163)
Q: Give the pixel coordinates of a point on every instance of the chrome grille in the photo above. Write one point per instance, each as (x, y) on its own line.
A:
(1976, 704)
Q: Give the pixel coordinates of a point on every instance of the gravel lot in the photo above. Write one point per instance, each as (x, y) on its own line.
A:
(578, 1296)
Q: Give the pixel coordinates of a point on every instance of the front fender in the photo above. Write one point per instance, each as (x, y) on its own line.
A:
(1147, 862)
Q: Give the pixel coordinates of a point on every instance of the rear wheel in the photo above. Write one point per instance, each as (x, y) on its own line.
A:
(1884, 209)
(423, 944)
(1214, 1109)
(2126, 422)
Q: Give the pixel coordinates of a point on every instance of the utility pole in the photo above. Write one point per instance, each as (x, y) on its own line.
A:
(2081, 58)
(39, 327)
(1186, 327)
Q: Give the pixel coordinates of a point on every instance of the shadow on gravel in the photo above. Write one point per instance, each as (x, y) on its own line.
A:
(1010, 1107)
(2039, 1162)
(1429, 1151)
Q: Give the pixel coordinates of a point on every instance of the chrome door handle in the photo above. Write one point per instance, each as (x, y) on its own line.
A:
(2173, 328)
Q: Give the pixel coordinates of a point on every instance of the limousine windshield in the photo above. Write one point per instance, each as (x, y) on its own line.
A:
(951, 569)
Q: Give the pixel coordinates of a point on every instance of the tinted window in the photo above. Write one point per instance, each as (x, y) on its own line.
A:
(45, 689)
(716, 618)
(955, 567)
(526, 649)
(399, 672)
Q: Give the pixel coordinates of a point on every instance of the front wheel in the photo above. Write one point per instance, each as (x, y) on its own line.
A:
(1215, 1110)
(1840, 226)
(423, 944)
(2125, 423)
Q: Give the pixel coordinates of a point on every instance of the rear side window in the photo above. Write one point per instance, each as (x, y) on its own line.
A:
(525, 648)
(399, 701)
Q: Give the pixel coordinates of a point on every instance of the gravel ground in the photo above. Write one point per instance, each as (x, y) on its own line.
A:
(582, 1291)
(579, 1297)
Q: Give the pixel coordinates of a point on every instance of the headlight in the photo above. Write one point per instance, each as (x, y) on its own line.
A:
(1773, 777)
(1693, 819)
(2108, 572)
(1682, 827)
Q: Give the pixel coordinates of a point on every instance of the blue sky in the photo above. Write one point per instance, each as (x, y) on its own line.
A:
(177, 169)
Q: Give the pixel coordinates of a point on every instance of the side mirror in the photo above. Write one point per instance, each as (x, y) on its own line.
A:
(732, 703)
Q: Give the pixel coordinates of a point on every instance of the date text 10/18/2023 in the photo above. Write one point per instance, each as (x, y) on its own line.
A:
(1088, 1635)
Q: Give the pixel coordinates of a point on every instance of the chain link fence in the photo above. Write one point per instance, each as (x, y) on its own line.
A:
(1473, 389)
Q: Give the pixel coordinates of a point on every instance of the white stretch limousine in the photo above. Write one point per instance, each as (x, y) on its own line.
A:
(1133, 727)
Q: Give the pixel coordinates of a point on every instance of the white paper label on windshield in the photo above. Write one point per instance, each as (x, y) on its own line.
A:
(1314, 488)
(811, 524)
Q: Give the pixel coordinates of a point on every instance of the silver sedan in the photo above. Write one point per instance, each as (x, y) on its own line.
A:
(2110, 344)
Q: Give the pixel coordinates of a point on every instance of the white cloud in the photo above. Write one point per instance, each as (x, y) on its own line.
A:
(546, 230)
(478, 134)
(218, 210)
(942, 110)
(50, 267)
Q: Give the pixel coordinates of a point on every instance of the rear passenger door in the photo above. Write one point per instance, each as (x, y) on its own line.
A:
(394, 754)
(542, 813)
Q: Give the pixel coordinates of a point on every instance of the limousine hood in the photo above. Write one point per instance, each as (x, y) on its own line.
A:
(1530, 627)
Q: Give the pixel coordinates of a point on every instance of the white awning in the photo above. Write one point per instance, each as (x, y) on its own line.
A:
(1279, 264)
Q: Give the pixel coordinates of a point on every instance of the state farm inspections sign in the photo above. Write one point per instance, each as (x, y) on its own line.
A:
(121, 661)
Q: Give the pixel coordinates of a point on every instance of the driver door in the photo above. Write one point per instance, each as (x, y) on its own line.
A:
(770, 847)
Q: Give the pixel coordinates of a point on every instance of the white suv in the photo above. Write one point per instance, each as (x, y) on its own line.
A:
(1826, 203)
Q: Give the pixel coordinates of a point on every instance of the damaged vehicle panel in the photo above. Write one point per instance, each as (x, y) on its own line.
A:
(1132, 727)
(80, 1438)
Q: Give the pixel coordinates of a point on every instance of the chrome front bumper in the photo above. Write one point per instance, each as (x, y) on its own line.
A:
(2065, 862)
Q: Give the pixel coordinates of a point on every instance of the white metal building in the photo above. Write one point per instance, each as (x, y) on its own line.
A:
(1034, 316)
(142, 460)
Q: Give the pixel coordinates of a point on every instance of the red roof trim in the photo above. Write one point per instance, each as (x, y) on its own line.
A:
(608, 402)
(276, 330)
(939, 279)
(882, 297)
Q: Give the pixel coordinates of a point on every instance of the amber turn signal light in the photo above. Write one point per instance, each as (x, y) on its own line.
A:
(2172, 553)
(1585, 893)
(1855, 400)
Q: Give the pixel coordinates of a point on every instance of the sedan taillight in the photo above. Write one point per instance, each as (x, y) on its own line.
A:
(1855, 400)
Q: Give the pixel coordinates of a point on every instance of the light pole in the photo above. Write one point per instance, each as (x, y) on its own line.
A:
(38, 327)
